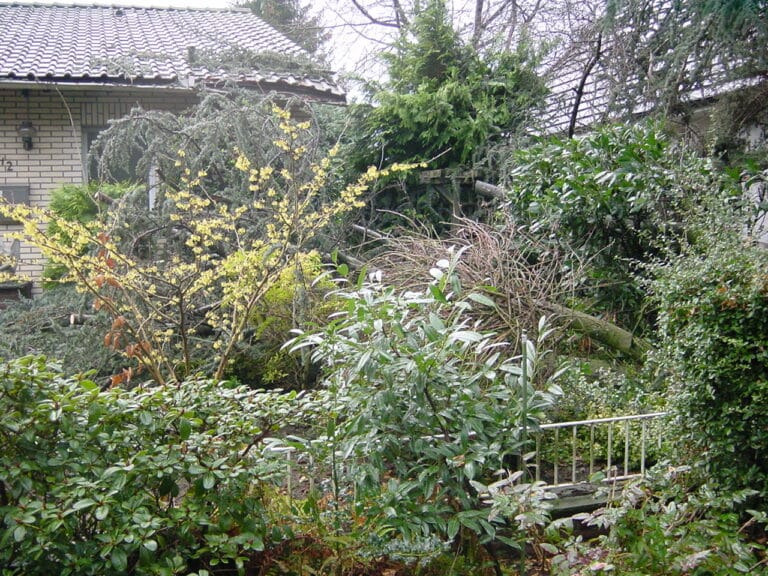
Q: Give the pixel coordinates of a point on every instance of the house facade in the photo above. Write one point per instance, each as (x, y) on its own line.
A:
(63, 122)
(67, 71)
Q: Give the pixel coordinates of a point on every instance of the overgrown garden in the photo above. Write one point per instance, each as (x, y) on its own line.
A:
(306, 358)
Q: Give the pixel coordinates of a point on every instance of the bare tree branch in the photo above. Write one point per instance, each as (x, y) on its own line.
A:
(402, 19)
(478, 27)
(582, 83)
(365, 12)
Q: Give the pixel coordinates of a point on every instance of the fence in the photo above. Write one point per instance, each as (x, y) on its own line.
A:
(566, 453)
(572, 452)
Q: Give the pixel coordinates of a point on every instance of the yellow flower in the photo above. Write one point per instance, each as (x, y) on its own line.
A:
(242, 163)
(281, 113)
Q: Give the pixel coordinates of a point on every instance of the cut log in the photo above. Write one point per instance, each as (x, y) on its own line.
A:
(76, 319)
(489, 190)
(601, 330)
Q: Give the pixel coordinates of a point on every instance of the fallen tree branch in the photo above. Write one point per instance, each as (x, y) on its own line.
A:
(368, 232)
(601, 330)
(489, 190)
(524, 289)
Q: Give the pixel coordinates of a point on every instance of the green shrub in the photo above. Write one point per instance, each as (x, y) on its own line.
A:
(425, 408)
(296, 300)
(669, 529)
(42, 326)
(601, 392)
(78, 204)
(611, 199)
(445, 100)
(714, 328)
(156, 480)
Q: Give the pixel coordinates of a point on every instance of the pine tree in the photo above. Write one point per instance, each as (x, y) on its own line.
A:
(294, 20)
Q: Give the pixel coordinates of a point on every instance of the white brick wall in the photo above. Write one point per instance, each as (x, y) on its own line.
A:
(57, 154)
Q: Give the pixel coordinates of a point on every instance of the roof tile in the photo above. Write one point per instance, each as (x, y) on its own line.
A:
(120, 44)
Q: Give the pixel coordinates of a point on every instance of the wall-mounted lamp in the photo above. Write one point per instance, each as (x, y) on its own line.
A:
(27, 131)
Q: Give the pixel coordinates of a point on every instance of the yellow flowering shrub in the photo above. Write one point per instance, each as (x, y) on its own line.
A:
(184, 310)
(297, 299)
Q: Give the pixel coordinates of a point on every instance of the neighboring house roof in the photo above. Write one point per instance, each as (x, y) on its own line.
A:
(609, 90)
(565, 75)
(155, 47)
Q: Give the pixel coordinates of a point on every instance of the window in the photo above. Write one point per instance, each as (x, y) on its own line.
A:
(91, 167)
(129, 174)
(13, 195)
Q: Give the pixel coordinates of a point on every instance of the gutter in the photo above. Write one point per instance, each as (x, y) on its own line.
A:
(184, 86)
(41, 84)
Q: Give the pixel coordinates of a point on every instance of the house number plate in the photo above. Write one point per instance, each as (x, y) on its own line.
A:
(6, 165)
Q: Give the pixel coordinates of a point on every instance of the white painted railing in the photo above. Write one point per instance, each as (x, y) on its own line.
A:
(566, 453)
(592, 447)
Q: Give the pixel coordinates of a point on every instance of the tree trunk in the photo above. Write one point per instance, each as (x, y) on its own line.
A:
(582, 84)
(489, 190)
(601, 330)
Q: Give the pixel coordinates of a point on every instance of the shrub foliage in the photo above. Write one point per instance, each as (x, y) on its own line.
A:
(157, 480)
(427, 407)
(714, 322)
(610, 200)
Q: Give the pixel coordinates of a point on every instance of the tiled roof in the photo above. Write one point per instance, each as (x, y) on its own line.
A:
(140, 46)
(609, 95)
(563, 77)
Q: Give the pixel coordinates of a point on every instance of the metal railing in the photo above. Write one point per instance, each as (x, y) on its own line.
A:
(590, 447)
(566, 453)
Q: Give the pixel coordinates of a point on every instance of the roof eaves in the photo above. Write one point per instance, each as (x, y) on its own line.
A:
(319, 91)
(313, 89)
